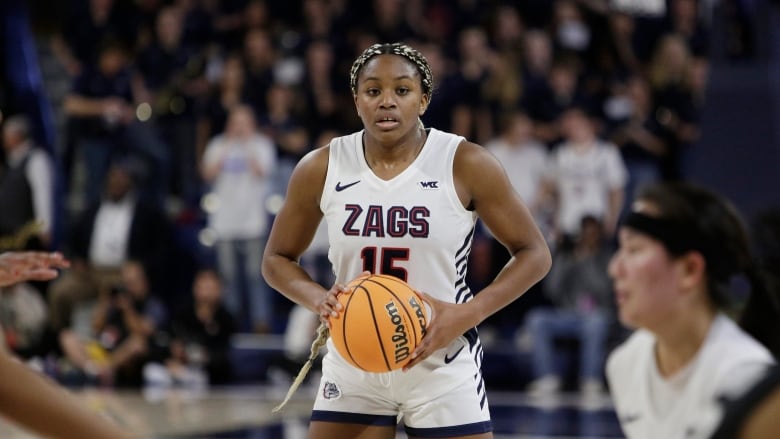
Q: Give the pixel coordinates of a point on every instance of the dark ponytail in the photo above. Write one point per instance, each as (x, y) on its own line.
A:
(760, 316)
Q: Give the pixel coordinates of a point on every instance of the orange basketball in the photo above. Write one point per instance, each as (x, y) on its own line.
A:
(382, 322)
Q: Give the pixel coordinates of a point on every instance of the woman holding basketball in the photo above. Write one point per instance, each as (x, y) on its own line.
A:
(402, 199)
(680, 247)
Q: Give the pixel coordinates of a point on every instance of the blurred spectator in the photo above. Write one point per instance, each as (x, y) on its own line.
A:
(257, 15)
(586, 176)
(524, 158)
(637, 133)
(77, 44)
(200, 340)
(23, 319)
(507, 30)
(536, 64)
(227, 21)
(281, 124)
(26, 187)
(684, 20)
(675, 106)
(173, 75)
(501, 90)
(561, 91)
(125, 334)
(569, 29)
(440, 110)
(474, 62)
(622, 37)
(102, 101)
(238, 164)
(197, 26)
(320, 24)
(118, 228)
(390, 20)
(323, 93)
(259, 58)
(229, 92)
(581, 294)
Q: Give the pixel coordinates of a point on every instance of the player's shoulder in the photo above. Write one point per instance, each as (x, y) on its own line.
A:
(472, 153)
(314, 165)
(733, 346)
(629, 353)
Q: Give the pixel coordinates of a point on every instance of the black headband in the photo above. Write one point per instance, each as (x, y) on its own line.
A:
(676, 236)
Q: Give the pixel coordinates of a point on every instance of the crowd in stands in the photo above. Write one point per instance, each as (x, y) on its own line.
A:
(187, 117)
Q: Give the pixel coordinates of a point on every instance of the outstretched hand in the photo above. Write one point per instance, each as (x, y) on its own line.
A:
(20, 266)
(446, 322)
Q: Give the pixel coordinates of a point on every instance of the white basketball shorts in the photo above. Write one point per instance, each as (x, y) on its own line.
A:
(443, 396)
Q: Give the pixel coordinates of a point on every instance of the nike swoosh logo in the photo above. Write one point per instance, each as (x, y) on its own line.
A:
(448, 359)
(340, 188)
(627, 419)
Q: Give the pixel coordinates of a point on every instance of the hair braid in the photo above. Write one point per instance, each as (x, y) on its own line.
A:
(322, 337)
(412, 55)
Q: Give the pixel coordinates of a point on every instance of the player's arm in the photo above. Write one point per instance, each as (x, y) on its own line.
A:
(481, 180)
(293, 231)
(37, 404)
(482, 184)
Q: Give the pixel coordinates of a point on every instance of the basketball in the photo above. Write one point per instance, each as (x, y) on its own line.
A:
(382, 321)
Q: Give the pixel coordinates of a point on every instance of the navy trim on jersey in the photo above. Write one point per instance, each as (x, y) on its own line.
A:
(353, 418)
(461, 266)
(452, 431)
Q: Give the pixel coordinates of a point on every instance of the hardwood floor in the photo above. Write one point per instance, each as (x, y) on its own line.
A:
(245, 412)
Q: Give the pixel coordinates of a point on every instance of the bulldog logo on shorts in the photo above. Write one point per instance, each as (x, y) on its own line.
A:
(330, 390)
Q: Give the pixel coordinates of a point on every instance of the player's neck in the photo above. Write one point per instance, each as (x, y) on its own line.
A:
(680, 341)
(392, 159)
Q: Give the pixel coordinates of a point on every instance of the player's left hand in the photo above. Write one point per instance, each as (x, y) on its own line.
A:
(30, 265)
(446, 322)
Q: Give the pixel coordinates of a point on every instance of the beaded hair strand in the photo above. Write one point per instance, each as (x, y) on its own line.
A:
(400, 49)
(317, 344)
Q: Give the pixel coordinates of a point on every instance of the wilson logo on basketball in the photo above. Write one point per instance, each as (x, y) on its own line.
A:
(400, 339)
(418, 312)
(382, 322)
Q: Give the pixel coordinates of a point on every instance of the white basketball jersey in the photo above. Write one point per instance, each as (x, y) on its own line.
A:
(688, 404)
(412, 226)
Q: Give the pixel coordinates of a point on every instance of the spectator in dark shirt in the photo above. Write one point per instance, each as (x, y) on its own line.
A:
(200, 342)
(107, 234)
(581, 293)
(641, 139)
(173, 74)
(126, 325)
(103, 102)
(77, 44)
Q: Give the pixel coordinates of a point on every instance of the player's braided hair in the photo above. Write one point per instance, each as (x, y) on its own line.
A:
(322, 337)
(400, 49)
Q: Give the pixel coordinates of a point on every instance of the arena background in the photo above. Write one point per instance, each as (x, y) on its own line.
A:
(737, 153)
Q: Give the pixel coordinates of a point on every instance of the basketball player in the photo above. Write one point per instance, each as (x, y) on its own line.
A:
(402, 199)
(28, 398)
(680, 247)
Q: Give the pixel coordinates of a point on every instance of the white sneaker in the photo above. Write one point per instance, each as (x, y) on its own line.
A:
(547, 385)
(155, 374)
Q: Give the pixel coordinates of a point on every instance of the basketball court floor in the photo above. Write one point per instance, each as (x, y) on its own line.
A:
(245, 412)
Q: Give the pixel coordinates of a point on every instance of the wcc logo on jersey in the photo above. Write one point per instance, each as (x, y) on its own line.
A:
(433, 184)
